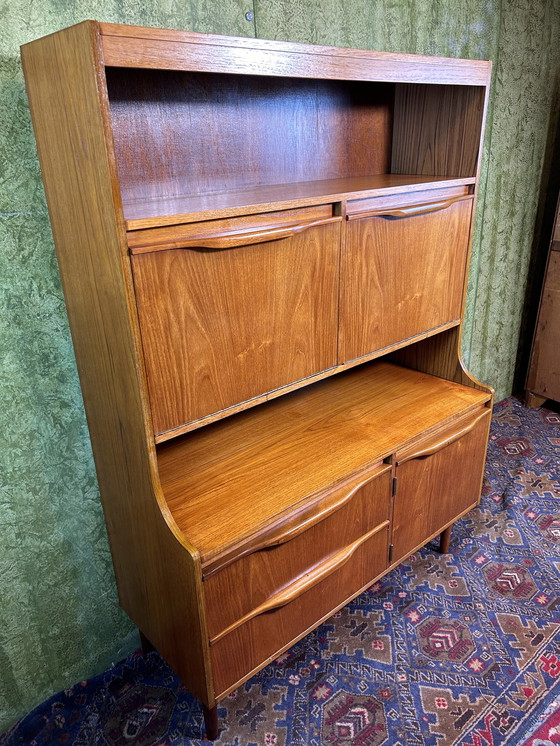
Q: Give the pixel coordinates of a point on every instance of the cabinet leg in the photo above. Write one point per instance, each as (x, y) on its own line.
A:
(444, 540)
(534, 401)
(211, 722)
(147, 646)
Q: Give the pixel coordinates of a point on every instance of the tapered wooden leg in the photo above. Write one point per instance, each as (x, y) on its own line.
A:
(533, 401)
(444, 540)
(211, 722)
(147, 646)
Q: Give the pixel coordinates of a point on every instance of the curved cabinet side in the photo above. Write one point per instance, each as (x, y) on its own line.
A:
(158, 573)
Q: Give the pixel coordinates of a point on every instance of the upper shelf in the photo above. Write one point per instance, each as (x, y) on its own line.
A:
(161, 211)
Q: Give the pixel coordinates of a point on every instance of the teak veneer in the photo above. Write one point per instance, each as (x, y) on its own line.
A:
(264, 249)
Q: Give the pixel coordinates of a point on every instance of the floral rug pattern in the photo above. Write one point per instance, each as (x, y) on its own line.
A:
(461, 649)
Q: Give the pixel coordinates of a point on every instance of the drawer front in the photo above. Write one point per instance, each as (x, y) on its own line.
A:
(260, 639)
(403, 273)
(233, 315)
(294, 549)
(438, 480)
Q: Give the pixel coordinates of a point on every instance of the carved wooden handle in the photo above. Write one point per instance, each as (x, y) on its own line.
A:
(409, 210)
(447, 440)
(302, 584)
(236, 238)
(288, 530)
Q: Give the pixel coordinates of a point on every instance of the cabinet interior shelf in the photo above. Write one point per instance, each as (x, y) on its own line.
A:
(157, 211)
(275, 456)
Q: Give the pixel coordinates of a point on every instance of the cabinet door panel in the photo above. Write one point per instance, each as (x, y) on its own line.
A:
(225, 322)
(437, 481)
(403, 274)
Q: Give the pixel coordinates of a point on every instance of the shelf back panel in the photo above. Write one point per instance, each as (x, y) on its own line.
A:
(183, 133)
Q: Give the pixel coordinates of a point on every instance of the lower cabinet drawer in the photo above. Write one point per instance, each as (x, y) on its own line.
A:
(259, 639)
(287, 552)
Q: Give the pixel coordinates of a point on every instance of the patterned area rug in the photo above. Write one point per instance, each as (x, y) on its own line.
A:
(460, 649)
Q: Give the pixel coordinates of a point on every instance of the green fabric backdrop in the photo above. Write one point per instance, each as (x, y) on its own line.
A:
(59, 617)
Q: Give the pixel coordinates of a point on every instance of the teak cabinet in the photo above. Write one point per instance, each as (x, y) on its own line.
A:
(264, 250)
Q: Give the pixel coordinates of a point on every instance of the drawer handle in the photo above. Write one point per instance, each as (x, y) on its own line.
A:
(410, 210)
(339, 496)
(236, 238)
(302, 584)
(439, 445)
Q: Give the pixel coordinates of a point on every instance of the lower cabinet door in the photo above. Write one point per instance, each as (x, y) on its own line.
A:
(438, 479)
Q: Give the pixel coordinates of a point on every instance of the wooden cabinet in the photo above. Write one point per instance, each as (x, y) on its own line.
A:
(264, 249)
(543, 378)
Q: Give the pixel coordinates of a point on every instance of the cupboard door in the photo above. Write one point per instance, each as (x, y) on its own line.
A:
(236, 315)
(438, 479)
(403, 275)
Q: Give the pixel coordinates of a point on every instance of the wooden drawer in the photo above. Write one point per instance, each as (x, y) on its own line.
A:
(403, 272)
(438, 479)
(232, 309)
(286, 564)
(291, 549)
(253, 644)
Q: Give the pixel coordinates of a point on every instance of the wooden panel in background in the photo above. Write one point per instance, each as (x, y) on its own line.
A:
(437, 129)
(191, 133)
(544, 373)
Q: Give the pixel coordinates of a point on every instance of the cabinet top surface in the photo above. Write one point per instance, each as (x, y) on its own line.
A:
(193, 37)
(138, 46)
(220, 486)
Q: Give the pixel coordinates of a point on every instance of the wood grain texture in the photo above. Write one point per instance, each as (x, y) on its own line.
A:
(69, 108)
(544, 372)
(179, 133)
(433, 484)
(330, 430)
(401, 275)
(437, 129)
(265, 572)
(221, 327)
(439, 355)
(303, 583)
(235, 656)
(148, 213)
(177, 50)
(181, 234)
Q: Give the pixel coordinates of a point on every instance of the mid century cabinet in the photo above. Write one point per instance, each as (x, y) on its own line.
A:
(264, 249)
(543, 379)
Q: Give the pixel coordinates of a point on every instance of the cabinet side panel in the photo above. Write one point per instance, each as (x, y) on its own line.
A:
(544, 374)
(437, 129)
(158, 578)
